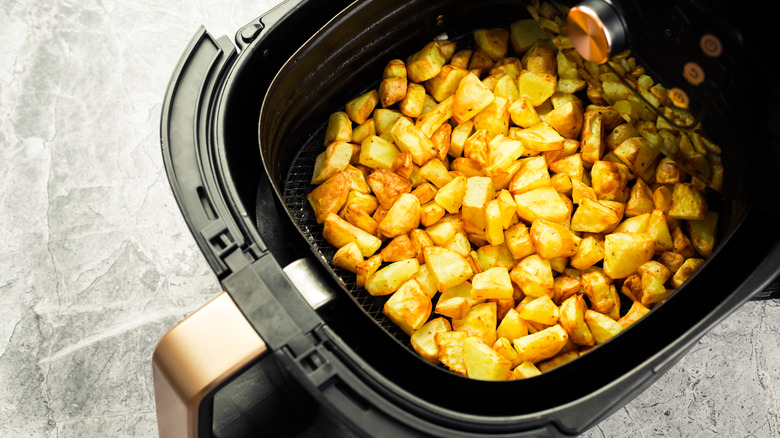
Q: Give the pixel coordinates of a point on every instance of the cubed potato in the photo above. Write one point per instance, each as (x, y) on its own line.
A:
(653, 277)
(388, 186)
(634, 314)
(540, 137)
(408, 307)
(430, 213)
(363, 131)
(567, 119)
(482, 362)
(441, 140)
(334, 159)
(441, 232)
(525, 33)
(571, 165)
(359, 218)
(420, 239)
(493, 41)
(377, 153)
(450, 196)
(392, 90)
(518, 240)
(507, 208)
(532, 174)
(640, 201)
(339, 232)
(358, 183)
(492, 283)
(557, 360)
(425, 192)
(403, 165)
(385, 118)
(446, 82)
(538, 87)
(348, 257)
(541, 345)
(471, 97)
(512, 326)
(402, 217)
(459, 243)
(589, 252)
(602, 326)
(450, 344)
(400, 248)
(424, 339)
(339, 128)
(533, 275)
(600, 291)
(636, 224)
(525, 370)
(621, 133)
(702, 233)
(395, 68)
(480, 61)
(367, 268)
(388, 279)
(329, 196)
(523, 113)
(435, 171)
(494, 118)
(638, 154)
(503, 346)
(542, 203)
(480, 321)
(624, 253)
(360, 108)
(448, 267)
(540, 58)
(426, 63)
(506, 88)
(688, 203)
(504, 151)
(594, 217)
(541, 310)
(669, 172)
(479, 190)
(609, 179)
(565, 286)
(685, 271)
(553, 240)
(592, 137)
(491, 256)
(411, 139)
(658, 227)
(460, 134)
(431, 121)
(572, 319)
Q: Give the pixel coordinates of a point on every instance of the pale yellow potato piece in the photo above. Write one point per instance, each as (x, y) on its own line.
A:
(339, 128)
(540, 137)
(553, 240)
(541, 310)
(479, 190)
(376, 153)
(518, 241)
(482, 362)
(389, 278)
(448, 267)
(602, 326)
(503, 346)
(512, 326)
(348, 257)
(688, 203)
(329, 196)
(541, 345)
(589, 252)
(480, 321)
(538, 87)
(432, 120)
(525, 370)
(532, 174)
(572, 319)
(624, 253)
(523, 113)
(702, 233)
(450, 344)
(426, 63)
(360, 108)
(542, 203)
(533, 275)
(493, 283)
(445, 83)
(471, 97)
(594, 217)
(333, 160)
(410, 138)
(402, 217)
(408, 307)
(424, 339)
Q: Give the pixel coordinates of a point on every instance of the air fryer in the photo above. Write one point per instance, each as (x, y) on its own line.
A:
(241, 126)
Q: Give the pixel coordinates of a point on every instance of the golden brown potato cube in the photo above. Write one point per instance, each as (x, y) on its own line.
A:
(456, 301)
(420, 239)
(412, 103)
(532, 174)
(571, 166)
(533, 275)
(403, 165)
(339, 232)
(681, 244)
(329, 196)
(624, 253)
(411, 139)
(360, 108)
(408, 307)
(541, 310)
(503, 346)
(653, 277)
(424, 339)
(459, 243)
(523, 113)
(448, 267)
(471, 97)
(441, 140)
(634, 314)
(400, 248)
(480, 61)
(581, 191)
(602, 326)
(542, 203)
(540, 137)
(687, 203)
(565, 286)
(658, 227)
(339, 128)
(512, 326)
(395, 68)
(366, 268)
(702, 233)
(333, 160)
(425, 192)
(388, 279)
(506, 88)
(525, 370)
(493, 283)
(541, 345)
(570, 86)
(426, 63)
(363, 131)
(557, 360)
(621, 133)
(385, 119)
(450, 196)
(431, 213)
(480, 321)
(638, 154)
(482, 362)
(429, 122)
(589, 252)
(388, 186)
(567, 119)
(491, 256)
(460, 134)
(540, 58)
(572, 319)
(668, 172)
(592, 137)
(359, 218)
(640, 201)
(504, 151)
(440, 233)
(494, 231)
(445, 84)
(600, 291)
(537, 86)
(566, 68)
(402, 217)
(479, 190)
(450, 344)
(553, 240)
(685, 271)
(376, 153)
(608, 179)
(507, 208)
(524, 34)
(671, 260)
(436, 172)
(518, 240)
(461, 58)
(348, 257)
(493, 41)
(494, 118)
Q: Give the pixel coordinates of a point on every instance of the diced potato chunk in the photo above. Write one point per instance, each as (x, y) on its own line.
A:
(541, 345)
(339, 232)
(480, 321)
(408, 307)
(482, 362)
(426, 63)
(624, 253)
(388, 279)
(533, 275)
(471, 97)
(493, 283)
(602, 326)
(448, 267)
(402, 217)
(424, 339)
(339, 128)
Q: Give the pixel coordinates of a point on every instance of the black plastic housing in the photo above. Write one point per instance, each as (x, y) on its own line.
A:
(304, 60)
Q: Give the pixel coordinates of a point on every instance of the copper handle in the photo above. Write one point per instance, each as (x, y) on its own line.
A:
(596, 30)
(194, 358)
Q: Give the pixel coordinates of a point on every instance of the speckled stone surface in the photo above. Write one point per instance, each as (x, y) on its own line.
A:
(96, 262)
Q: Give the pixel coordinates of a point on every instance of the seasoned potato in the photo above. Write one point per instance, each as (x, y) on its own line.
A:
(520, 189)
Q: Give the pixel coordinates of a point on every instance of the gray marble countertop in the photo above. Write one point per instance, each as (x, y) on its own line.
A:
(97, 262)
